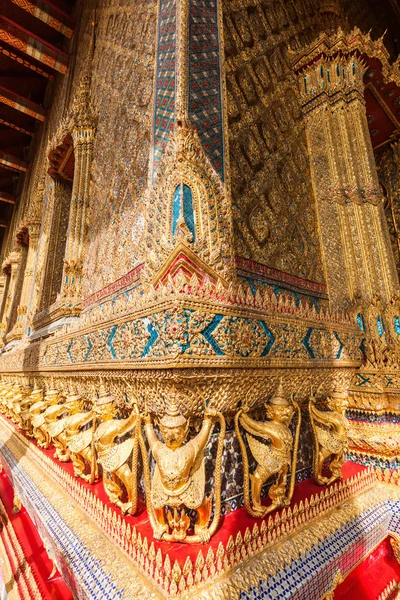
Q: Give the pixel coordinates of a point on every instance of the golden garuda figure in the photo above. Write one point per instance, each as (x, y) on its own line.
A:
(15, 390)
(178, 482)
(15, 403)
(116, 452)
(38, 412)
(274, 455)
(79, 441)
(5, 388)
(330, 432)
(26, 417)
(57, 417)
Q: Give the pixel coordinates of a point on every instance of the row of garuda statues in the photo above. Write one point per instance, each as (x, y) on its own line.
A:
(102, 445)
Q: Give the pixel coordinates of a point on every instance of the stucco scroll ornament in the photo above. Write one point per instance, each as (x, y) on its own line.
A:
(178, 482)
(117, 449)
(275, 457)
(331, 433)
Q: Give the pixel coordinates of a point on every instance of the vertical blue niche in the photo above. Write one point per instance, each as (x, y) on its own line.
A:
(183, 199)
(381, 328)
(397, 324)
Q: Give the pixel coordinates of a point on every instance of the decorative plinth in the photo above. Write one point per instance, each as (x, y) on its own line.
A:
(27, 570)
(363, 581)
(101, 554)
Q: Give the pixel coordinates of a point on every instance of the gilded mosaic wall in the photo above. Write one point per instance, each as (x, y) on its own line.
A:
(122, 90)
(274, 212)
(388, 172)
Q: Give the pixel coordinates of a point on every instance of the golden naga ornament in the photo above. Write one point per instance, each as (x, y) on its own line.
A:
(178, 482)
(116, 453)
(39, 411)
(56, 427)
(275, 457)
(330, 432)
(79, 441)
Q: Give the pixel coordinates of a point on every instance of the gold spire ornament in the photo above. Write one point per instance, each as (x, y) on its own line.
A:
(274, 449)
(178, 482)
(330, 431)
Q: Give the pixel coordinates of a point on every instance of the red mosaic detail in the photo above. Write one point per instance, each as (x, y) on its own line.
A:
(370, 578)
(114, 287)
(26, 547)
(249, 267)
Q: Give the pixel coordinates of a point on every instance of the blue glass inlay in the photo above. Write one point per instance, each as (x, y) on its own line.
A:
(397, 324)
(379, 324)
(339, 353)
(89, 346)
(110, 341)
(209, 330)
(183, 197)
(153, 336)
(360, 322)
(271, 339)
(306, 344)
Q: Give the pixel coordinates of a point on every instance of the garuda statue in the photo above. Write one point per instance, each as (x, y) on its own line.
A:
(79, 441)
(116, 453)
(178, 482)
(6, 388)
(274, 455)
(26, 404)
(330, 431)
(56, 427)
(38, 412)
(15, 390)
(15, 403)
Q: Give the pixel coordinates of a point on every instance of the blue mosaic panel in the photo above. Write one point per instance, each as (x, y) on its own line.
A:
(164, 110)
(205, 105)
(397, 324)
(190, 332)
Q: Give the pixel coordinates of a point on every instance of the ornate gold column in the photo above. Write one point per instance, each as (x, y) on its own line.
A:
(83, 130)
(356, 247)
(3, 293)
(33, 229)
(10, 266)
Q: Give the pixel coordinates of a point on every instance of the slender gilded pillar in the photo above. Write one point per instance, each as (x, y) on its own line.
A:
(83, 136)
(357, 254)
(33, 231)
(3, 293)
(11, 268)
